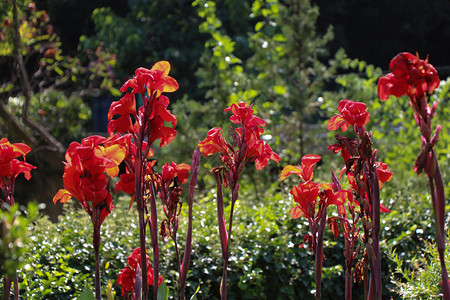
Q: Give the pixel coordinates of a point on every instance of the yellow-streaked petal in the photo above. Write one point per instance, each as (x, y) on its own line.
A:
(288, 170)
(163, 66)
(62, 195)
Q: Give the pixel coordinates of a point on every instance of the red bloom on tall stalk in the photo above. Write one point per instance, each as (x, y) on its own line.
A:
(312, 201)
(247, 145)
(416, 78)
(87, 164)
(11, 167)
(143, 126)
(352, 113)
(249, 134)
(366, 177)
(410, 76)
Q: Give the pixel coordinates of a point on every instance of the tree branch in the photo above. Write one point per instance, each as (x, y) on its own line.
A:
(18, 128)
(26, 87)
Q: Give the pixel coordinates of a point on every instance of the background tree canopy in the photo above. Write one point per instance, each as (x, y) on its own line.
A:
(371, 31)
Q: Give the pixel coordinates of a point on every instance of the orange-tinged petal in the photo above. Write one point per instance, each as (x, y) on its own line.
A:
(171, 85)
(112, 172)
(308, 163)
(288, 170)
(326, 186)
(334, 122)
(115, 152)
(296, 212)
(163, 66)
(62, 195)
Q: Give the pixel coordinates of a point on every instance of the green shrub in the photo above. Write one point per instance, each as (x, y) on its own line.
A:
(423, 279)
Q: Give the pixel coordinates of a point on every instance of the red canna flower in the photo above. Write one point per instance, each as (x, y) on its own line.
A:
(243, 114)
(11, 167)
(305, 195)
(352, 113)
(214, 142)
(150, 118)
(8, 154)
(249, 134)
(127, 276)
(305, 171)
(125, 107)
(410, 76)
(172, 170)
(84, 178)
(264, 157)
(384, 174)
(154, 80)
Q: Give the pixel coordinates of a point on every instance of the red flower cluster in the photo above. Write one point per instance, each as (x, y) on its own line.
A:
(150, 118)
(87, 164)
(306, 193)
(410, 76)
(249, 134)
(127, 276)
(352, 113)
(173, 170)
(11, 167)
(154, 80)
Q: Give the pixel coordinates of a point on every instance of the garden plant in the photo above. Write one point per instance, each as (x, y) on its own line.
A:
(237, 233)
(91, 165)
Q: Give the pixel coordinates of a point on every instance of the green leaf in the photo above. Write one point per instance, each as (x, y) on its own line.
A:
(87, 294)
(258, 26)
(279, 89)
(163, 291)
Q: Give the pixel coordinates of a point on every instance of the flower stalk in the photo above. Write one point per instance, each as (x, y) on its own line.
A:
(416, 78)
(188, 246)
(250, 146)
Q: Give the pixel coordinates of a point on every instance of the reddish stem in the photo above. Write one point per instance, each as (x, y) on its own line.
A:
(319, 252)
(154, 236)
(188, 246)
(438, 201)
(223, 233)
(138, 169)
(96, 242)
(376, 235)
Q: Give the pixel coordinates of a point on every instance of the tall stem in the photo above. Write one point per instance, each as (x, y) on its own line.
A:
(16, 287)
(440, 199)
(96, 242)
(376, 234)
(319, 253)
(223, 234)
(348, 284)
(140, 206)
(439, 213)
(6, 287)
(188, 247)
(154, 236)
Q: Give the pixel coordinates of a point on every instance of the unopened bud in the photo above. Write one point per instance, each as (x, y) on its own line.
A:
(433, 109)
(435, 137)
